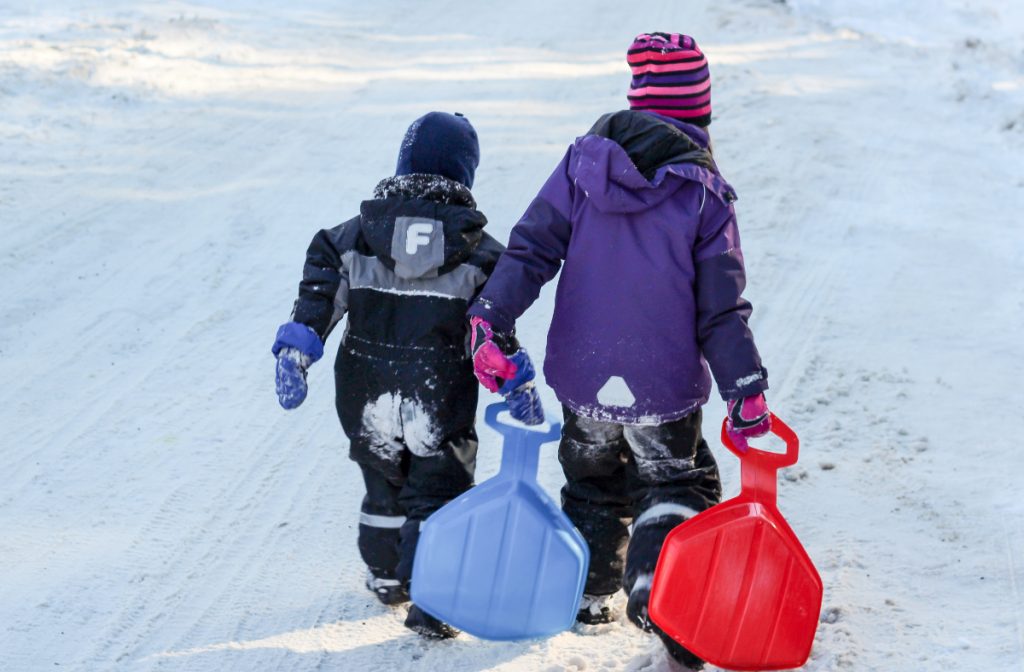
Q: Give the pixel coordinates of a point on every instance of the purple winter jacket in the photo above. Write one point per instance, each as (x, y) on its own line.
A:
(652, 277)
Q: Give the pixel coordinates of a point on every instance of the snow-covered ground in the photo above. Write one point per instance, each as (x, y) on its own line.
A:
(163, 166)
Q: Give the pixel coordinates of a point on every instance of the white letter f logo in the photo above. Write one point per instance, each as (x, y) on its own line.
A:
(417, 236)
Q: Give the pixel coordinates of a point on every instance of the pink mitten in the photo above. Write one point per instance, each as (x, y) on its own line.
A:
(748, 417)
(489, 362)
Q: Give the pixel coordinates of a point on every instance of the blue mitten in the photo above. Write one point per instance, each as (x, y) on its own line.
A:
(520, 393)
(297, 346)
(291, 377)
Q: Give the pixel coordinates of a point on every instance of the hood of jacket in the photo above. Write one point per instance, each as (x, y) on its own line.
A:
(632, 160)
(421, 225)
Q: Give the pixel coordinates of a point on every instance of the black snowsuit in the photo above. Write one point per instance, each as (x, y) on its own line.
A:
(405, 271)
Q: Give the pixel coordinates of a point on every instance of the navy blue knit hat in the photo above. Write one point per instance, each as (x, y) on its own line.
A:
(439, 143)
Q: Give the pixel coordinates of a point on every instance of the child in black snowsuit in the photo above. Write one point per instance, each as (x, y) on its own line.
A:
(404, 270)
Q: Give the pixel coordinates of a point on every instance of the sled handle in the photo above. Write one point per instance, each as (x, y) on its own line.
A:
(519, 431)
(745, 451)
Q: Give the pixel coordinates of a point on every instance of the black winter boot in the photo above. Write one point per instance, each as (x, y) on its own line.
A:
(636, 606)
(636, 611)
(388, 591)
(595, 610)
(427, 626)
(678, 652)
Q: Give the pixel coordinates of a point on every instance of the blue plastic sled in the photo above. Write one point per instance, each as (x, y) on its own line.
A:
(502, 561)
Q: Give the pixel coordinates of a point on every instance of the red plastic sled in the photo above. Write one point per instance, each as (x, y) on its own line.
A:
(733, 584)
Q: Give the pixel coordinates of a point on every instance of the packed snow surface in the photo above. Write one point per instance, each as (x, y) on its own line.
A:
(164, 166)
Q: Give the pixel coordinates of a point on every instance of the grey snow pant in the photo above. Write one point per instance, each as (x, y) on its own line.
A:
(651, 476)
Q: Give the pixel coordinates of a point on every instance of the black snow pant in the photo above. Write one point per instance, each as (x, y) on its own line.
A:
(411, 431)
(652, 477)
(396, 504)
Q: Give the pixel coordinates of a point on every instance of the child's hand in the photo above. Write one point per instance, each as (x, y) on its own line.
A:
(296, 347)
(521, 393)
(291, 377)
(489, 362)
(511, 376)
(749, 417)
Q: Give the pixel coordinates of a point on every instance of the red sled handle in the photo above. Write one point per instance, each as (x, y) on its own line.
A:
(748, 454)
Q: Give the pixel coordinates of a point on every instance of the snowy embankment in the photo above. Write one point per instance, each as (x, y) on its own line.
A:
(165, 164)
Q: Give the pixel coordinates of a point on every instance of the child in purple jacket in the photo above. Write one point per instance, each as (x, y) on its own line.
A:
(642, 225)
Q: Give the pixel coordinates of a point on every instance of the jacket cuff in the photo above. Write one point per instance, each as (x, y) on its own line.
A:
(747, 386)
(301, 337)
(486, 310)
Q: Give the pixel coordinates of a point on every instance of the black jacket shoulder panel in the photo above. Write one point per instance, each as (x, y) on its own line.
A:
(486, 254)
(324, 287)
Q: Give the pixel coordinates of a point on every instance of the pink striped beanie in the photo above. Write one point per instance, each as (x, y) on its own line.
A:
(670, 77)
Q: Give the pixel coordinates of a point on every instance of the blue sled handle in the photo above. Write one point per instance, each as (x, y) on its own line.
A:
(519, 433)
